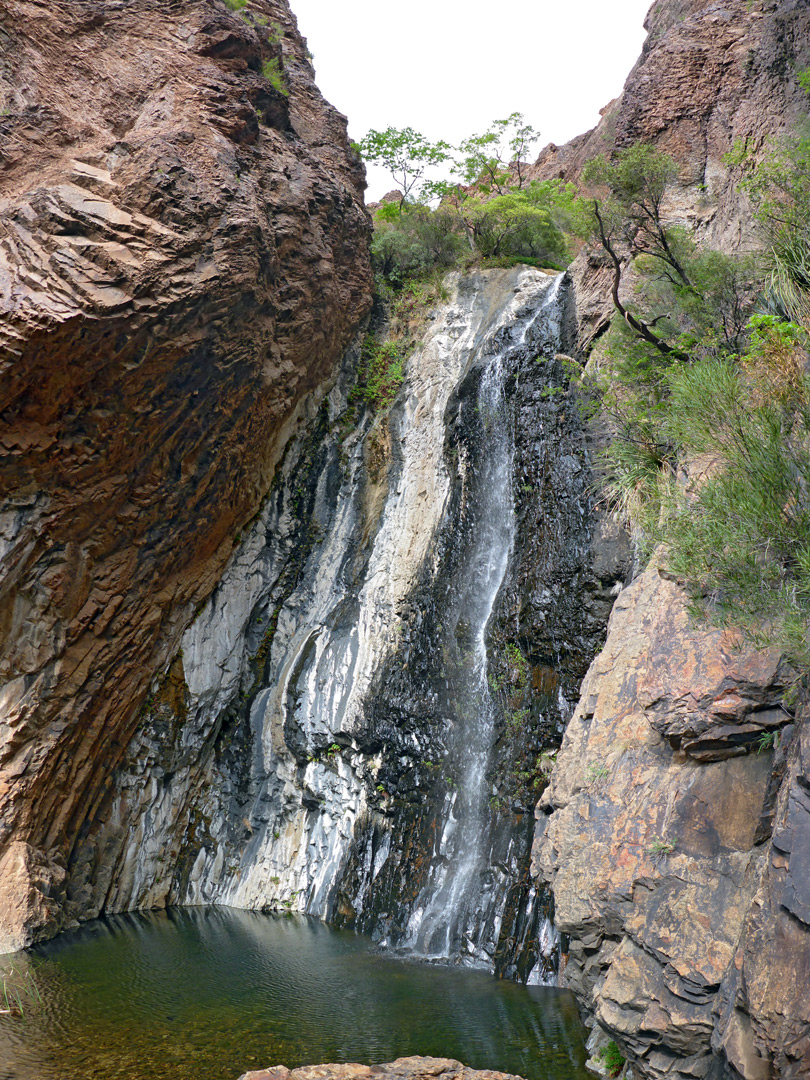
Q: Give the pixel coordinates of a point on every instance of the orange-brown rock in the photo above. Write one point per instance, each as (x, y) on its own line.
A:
(407, 1068)
(183, 259)
(655, 837)
(676, 832)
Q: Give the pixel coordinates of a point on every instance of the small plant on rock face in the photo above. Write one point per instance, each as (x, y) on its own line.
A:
(595, 774)
(272, 71)
(766, 741)
(612, 1058)
(546, 762)
(661, 847)
(236, 5)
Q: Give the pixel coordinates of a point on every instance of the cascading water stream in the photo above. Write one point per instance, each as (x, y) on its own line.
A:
(442, 921)
(460, 908)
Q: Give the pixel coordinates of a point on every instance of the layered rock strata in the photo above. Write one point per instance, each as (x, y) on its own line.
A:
(183, 260)
(666, 836)
(673, 834)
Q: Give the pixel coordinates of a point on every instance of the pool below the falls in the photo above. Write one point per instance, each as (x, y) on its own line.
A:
(208, 993)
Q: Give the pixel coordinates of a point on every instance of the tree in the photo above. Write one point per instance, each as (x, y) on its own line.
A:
(512, 224)
(628, 221)
(405, 153)
(411, 240)
(496, 161)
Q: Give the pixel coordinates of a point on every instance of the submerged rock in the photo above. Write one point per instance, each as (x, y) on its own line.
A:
(407, 1068)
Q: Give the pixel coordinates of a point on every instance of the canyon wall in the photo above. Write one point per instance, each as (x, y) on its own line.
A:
(183, 262)
(711, 73)
(245, 643)
(233, 632)
(674, 834)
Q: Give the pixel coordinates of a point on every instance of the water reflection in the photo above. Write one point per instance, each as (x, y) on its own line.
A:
(204, 994)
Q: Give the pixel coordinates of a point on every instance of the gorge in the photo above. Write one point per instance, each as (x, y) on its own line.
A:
(271, 644)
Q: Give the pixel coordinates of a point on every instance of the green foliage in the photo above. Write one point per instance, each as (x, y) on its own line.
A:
(405, 153)
(488, 208)
(766, 741)
(273, 72)
(496, 160)
(512, 671)
(236, 5)
(596, 774)
(660, 847)
(18, 990)
(513, 224)
(635, 183)
(803, 79)
(381, 372)
(612, 1058)
(740, 535)
(779, 187)
(411, 240)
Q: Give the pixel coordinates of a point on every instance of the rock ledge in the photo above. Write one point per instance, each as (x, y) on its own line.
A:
(406, 1068)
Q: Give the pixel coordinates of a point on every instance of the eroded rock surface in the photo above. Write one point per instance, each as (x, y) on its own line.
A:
(183, 259)
(673, 834)
(657, 836)
(409, 1068)
(300, 753)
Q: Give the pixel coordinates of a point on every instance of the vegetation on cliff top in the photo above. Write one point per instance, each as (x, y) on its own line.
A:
(487, 210)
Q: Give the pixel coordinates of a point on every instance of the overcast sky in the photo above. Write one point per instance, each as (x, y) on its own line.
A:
(448, 68)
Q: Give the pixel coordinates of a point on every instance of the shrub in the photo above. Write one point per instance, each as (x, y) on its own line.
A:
(779, 186)
(411, 240)
(742, 537)
(273, 72)
(613, 1059)
(381, 372)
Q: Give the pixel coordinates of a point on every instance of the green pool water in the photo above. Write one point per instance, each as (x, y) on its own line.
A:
(206, 994)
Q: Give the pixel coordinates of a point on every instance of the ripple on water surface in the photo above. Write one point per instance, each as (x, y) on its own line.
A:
(207, 993)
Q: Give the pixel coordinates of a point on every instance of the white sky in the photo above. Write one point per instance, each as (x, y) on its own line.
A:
(448, 68)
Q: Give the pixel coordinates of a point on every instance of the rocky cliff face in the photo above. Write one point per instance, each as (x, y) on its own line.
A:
(310, 746)
(711, 72)
(183, 260)
(666, 837)
(674, 833)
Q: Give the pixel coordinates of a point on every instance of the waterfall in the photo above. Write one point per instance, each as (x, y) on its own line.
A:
(442, 921)
(344, 663)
